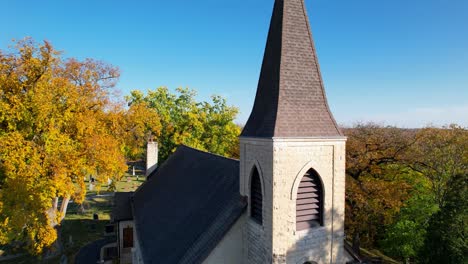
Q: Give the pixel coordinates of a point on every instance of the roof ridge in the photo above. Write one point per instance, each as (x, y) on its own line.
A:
(190, 190)
(206, 152)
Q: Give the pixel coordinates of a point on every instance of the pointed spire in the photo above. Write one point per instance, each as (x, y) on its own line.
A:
(290, 100)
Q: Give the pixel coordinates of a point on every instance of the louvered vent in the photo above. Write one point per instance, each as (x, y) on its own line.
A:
(309, 203)
(256, 199)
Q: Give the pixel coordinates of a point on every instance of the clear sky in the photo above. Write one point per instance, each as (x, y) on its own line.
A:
(401, 62)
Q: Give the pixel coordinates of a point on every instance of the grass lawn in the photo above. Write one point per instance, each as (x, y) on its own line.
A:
(79, 229)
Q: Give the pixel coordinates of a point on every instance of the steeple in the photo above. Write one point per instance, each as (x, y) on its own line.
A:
(290, 99)
(292, 153)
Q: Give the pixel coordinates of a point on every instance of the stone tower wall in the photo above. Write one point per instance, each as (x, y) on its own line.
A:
(257, 238)
(282, 164)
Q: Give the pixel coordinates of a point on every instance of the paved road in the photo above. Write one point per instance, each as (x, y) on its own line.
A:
(89, 254)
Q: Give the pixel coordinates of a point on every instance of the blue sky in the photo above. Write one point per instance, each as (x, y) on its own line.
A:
(400, 62)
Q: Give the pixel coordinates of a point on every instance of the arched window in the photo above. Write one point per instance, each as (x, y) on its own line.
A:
(309, 202)
(256, 198)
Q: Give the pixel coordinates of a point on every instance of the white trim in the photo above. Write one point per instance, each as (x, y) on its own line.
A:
(294, 139)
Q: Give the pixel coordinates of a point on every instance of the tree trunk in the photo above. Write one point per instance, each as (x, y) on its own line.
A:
(64, 207)
(52, 212)
(55, 203)
(57, 246)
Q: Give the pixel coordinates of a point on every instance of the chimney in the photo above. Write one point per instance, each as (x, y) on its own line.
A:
(151, 157)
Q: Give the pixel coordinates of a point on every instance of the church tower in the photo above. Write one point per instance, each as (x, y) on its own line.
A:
(292, 153)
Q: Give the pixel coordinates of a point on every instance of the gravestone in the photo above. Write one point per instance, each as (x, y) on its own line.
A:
(63, 259)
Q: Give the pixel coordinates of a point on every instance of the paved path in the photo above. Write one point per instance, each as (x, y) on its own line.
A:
(89, 254)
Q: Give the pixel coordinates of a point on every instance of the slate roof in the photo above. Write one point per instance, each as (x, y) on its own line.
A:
(122, 209)
(290, 99)
(183, 211)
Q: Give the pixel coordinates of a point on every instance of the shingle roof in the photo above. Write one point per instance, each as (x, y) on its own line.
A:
(122, 209)
(290, 99)
(187, 206)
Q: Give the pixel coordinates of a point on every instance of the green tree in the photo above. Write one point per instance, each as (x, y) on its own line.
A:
(439, 154)
(405, 238)
(207, 126)
(447, 229)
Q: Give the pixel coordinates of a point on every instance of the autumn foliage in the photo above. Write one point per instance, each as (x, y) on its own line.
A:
(397, 180)
(54, 132)
(60, 123)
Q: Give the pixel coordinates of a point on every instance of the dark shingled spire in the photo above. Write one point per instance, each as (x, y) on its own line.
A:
(290, 100)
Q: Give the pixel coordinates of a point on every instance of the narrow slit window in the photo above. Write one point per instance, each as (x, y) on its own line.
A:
(127, 237)
(309, 202)
(256, 198)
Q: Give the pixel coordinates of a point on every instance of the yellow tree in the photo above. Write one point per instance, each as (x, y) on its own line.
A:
(54, 131)
(134, 126)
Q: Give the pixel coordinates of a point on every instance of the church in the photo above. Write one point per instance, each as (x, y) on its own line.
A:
(283, 201)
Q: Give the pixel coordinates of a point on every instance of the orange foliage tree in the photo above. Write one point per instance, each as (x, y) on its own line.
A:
(377, 178)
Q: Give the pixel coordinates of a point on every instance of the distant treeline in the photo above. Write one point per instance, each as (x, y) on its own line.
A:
(406, 191)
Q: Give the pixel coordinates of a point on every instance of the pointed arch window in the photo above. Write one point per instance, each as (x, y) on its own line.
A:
(309, 202)
(256, 197)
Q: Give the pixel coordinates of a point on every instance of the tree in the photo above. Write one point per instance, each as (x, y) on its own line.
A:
(447, 229)
(207, 126)
(376, 179)
(405, 238)
(54, 131)
(396, 179)
(370, 146)
(134, 126)
(439, 154)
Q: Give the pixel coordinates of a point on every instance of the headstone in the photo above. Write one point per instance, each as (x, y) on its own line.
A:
(81, 209)
(95, 216)
(63, 259)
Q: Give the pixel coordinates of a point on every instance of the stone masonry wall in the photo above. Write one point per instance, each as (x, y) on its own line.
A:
(283, 162)
(257, 239)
